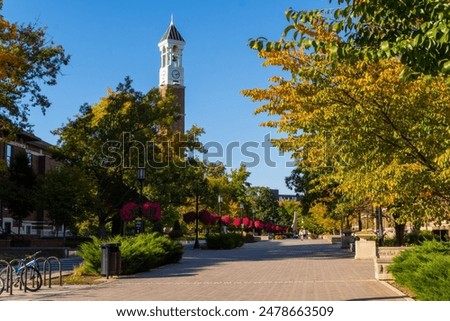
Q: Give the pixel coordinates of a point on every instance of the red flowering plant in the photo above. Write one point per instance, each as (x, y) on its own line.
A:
(226, 220)
(152, 211)
(129, 211)
(259, 225)
(214, 219)
(204, 216)
(269, 227)
(237, 222)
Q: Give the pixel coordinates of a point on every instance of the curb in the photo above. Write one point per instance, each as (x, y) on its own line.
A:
(393, 288)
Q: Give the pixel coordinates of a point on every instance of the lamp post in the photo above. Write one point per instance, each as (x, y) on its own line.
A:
(219, 200)
(380, 226)
(241, 206)
(140, 177)
(196, 244)
(253, 218)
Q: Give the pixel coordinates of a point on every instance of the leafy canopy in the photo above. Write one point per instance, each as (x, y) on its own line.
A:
(354, 125)
(28, 60)
(416, 31)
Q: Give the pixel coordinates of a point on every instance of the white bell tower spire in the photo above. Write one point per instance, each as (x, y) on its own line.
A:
(171, 72)
(171, 47)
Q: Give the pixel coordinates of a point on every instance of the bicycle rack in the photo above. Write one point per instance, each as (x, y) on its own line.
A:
(9, 276)
(47, 263)
(47, 266)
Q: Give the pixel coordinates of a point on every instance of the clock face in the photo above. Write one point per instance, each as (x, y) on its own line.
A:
(176, 74)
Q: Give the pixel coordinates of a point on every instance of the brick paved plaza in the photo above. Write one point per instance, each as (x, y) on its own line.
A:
(282, 270)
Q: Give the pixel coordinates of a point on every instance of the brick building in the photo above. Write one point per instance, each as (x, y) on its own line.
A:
(39, 156)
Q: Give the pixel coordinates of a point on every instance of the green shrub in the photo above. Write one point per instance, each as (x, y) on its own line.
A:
(237, 238)
(418, 237)
(224, 241)
(425, 269)
(138, 254)
(91, 254)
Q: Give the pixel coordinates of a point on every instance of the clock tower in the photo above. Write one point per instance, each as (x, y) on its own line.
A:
(171, 72)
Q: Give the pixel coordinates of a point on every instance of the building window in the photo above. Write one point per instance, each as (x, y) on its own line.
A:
(9, 151)
(7, 227)
(30, 159)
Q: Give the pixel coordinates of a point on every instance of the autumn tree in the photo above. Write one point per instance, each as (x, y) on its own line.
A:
(125, 130)
(28, 60)
(358, 126)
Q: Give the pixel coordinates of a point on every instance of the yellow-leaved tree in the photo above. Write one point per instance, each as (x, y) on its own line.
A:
(359, 128)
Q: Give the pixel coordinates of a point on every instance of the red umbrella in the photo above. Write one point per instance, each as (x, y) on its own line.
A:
(237, 222)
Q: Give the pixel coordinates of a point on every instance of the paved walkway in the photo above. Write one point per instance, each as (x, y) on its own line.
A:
(284, 270)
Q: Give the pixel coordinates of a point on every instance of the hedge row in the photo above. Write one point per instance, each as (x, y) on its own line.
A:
(138, 253)
(224, 241)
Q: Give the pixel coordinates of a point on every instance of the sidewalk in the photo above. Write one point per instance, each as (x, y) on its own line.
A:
(285, 270)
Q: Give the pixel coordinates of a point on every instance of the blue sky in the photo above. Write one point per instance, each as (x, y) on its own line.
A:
(110, 39)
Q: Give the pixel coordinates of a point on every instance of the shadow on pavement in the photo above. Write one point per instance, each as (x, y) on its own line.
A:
(196, 260)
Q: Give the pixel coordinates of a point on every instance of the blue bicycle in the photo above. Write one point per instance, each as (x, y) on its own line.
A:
(25, 273)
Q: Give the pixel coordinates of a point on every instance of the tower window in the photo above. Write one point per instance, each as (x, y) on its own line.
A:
(164, 57)
(175, 53)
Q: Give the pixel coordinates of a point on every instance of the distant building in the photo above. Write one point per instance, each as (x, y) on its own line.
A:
(285, 197)
(40, 159)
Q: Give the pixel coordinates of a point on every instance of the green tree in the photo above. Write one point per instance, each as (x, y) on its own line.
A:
(28, 60)
(264, 204)
(19, 190)
(127, 129)
(357, 128)
(416, 31)
(66, 194)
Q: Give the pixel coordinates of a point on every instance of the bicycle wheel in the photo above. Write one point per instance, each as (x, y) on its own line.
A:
(2, 285)
(31, 278)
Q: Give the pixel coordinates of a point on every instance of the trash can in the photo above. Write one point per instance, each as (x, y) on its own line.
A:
(111, 259)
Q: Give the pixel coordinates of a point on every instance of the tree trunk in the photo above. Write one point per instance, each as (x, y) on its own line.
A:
(400, 234)
(360, 225)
